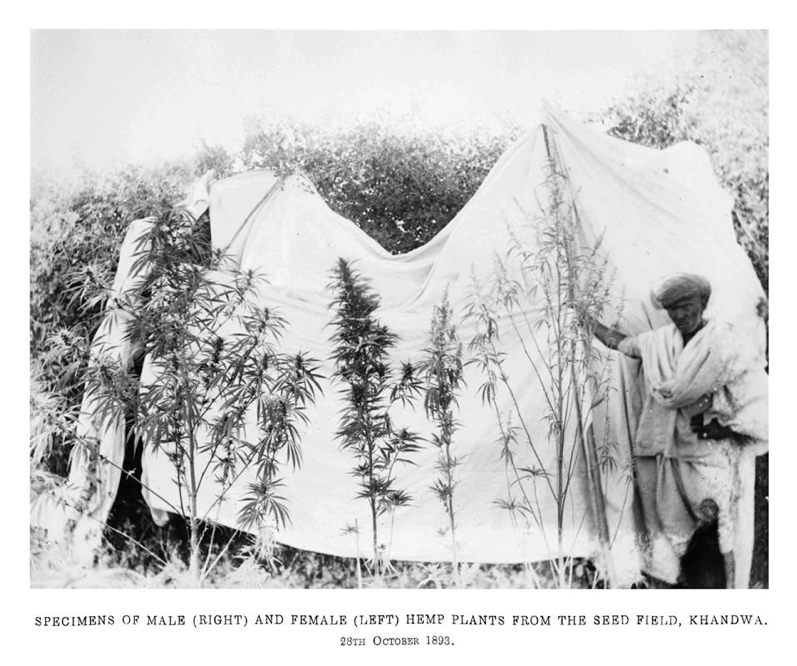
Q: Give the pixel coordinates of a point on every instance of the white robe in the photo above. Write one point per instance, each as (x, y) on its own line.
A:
(676, 471)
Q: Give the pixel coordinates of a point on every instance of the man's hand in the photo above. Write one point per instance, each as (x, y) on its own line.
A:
(581, 310)
(712, 430)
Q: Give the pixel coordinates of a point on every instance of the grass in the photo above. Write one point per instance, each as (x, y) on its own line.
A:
(122, 564)
(294, 569)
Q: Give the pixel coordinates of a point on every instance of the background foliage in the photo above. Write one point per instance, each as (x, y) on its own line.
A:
(722, 104)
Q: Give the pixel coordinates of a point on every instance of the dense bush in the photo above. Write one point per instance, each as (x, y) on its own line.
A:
(75, 238)
(401, 187)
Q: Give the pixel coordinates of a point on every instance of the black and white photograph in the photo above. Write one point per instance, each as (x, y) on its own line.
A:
(399, 347)
(440, 310)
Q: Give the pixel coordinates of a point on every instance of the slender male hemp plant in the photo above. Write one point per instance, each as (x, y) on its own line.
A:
(536, 289)
(441, 369)
(361, 361)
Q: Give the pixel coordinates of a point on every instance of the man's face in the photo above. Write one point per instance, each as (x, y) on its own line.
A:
(687, 313)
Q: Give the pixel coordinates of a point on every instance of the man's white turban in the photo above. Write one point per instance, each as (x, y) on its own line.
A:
(678, 286)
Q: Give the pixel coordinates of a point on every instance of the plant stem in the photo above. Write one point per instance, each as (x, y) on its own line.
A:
(194, 566)
(357, 544)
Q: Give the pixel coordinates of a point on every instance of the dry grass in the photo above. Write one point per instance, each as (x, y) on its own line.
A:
(291, 569)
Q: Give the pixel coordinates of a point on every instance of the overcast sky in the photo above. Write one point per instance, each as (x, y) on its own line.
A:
(104, 98)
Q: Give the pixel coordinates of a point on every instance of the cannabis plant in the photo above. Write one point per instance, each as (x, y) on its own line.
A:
(219, 397)
(547, 268)
(362, 364)
(441, 370)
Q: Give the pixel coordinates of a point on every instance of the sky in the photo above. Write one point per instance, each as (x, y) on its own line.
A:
(104, 98)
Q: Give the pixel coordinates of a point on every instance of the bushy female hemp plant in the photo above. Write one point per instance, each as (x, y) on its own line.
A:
(219, 397)
(441, 371)
(362, 364)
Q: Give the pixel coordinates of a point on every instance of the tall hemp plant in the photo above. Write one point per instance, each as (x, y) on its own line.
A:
(362, 363)
(548, 272)
(221, 398)
(442, 373)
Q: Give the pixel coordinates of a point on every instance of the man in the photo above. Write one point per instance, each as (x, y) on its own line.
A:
(700, 427)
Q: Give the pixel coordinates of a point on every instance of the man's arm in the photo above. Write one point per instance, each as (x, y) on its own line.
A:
(608, 336)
